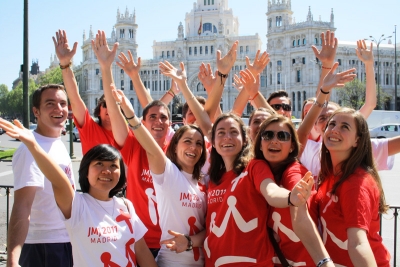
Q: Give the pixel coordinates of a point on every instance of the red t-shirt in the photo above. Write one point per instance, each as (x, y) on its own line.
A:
(92, 134)
(236, 223)
(281, 222)
(140, 189)
(354, 205)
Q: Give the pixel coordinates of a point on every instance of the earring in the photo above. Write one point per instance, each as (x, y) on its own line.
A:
(290, 150)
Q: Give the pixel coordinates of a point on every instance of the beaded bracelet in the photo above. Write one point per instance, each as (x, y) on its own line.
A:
(323, 261)
(325, 68)
(63, 67)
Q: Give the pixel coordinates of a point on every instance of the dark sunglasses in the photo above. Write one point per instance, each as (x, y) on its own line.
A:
(282, 136)
(285, 107)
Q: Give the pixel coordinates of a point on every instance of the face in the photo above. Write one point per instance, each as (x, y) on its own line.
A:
(190, 118)
(307, 108)
(157, 122)
(254, 126)
(228, 140)
(52, 113)
(278, 147)
(313, 133)
(322, 119)
(341, 134)
(189, 149)
(105, 118)
(103, 176)
(282, 100)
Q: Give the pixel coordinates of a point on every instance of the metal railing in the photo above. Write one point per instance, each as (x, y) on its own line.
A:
(395, 210)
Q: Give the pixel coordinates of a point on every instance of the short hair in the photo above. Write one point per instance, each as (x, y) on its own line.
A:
(259, 110)
(279, 93)
(185, 107)
(292, 157)
(37, 94)
(100, 103)
(305, 102)
(156, 103)
(171, 151)
(101, 152)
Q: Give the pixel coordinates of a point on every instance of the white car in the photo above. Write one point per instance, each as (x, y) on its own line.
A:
(385, 131)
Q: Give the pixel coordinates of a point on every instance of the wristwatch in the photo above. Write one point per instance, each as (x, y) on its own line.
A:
(190, 243)
(324, 105)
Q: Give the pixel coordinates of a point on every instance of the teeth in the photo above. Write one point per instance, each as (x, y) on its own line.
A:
(157, 129)
(190, 154)
(228, 145)
(105, 179)
(333, 139)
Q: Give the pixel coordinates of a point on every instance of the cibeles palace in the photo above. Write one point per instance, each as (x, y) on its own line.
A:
(292, 67)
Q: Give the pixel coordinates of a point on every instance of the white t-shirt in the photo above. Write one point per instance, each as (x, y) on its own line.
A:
(311, 156)
(103, 233)
(45, 226)
(182, 208)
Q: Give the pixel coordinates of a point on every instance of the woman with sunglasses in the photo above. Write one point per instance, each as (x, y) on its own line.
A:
(350, 197)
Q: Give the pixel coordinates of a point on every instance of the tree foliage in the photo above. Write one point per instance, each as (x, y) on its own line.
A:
(54, 75)
(352, 94)
(3, 99)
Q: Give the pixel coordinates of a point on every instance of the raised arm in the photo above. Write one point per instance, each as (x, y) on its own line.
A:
(330, 81)
(170, 94)
(106, 57)
(241, 100)
(65, 55)
(207, 78)
(155, 155)
(179, 76)
(63, 192)
(367, 57)
(132, 69)
(326, 55)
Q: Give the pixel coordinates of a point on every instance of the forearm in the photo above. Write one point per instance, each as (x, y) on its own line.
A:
(240, 103)
(167, 97)
(325, 68)
(215, 96)
(198, 239)
(276, 196)
(370, 91)
(361, 255)
(261, 102)
(143, 254)
(142, 93)
(17, 232)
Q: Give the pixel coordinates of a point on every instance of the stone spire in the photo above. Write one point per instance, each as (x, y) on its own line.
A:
(90, 33)
(84, 36)
(134, 15)
(332, 18)
(309, 15)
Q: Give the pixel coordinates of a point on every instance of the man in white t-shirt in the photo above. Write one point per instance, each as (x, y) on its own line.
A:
(37, 236)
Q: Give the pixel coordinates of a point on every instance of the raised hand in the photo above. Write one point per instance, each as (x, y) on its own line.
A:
(178, 243)
(168, 70)
(224, 65)
(363, 53)
(259, 63)
(302, 190)
(104, 55)
(332, 79)
(237, 83)
(250, 83)
(63, 51)
(17, 131)
(128, 65)
(206, 77)
(327, 53)
(122, 100)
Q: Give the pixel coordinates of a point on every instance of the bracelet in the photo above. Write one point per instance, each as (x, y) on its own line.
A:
(251, 99)
(63, 67)
(222, 76)
(136, 126)
(323, 261)
(133, 116)
(288, 200)
(324, 105)
(325, 68)
(171, 94)
(322, 91)
(190, 243)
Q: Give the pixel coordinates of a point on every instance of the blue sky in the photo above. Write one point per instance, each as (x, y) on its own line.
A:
(159, 20)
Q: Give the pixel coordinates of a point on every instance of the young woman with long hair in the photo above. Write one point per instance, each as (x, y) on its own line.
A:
(104, 230)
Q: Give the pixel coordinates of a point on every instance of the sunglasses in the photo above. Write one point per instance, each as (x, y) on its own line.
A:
(285, 107)
(282, 136)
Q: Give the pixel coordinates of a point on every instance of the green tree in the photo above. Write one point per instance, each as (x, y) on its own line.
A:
(14, 99)
(3, 99)
(54, 75)
(352, 94)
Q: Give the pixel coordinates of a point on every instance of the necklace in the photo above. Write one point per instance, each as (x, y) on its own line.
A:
(112, 215)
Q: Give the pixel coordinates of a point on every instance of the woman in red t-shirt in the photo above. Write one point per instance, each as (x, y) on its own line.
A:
(278, 144)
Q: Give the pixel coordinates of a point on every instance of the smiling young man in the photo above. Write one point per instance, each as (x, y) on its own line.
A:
(37, 235)
(281, 103)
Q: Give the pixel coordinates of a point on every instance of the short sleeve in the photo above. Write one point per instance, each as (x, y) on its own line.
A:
(128, 149)
(259, 171)
(380, 153)
(138, 226)
(169, 172)
(76, 210)
(25, 170)
(292, 175)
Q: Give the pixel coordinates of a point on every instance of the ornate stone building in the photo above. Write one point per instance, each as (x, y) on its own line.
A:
(210, 26)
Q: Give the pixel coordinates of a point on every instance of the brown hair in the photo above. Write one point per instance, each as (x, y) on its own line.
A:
(171, 153)
(156, 103)
(185, 107)
(279, 93)
(259, 110)
(292, 157)
(37, 94)
(305, 102)
(360, 156)
(217, 165)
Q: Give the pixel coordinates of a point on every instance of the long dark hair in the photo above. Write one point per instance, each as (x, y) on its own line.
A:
(292, 157)
(171, 153)
(360, 156)
(217, 165)
(103, 153)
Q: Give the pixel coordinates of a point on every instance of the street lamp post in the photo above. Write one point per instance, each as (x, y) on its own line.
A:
(395, 70)
(378, 42)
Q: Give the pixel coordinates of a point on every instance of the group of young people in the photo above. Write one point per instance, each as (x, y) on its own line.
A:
(215, 192)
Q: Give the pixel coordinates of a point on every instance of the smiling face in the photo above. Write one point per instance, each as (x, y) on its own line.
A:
(52, 112)
(257, 119)
(322, 119)
(282, 100)
(341, 135)
(189, 149)
(103, 176)
(276, 149)
(157, 122)
(228, 140)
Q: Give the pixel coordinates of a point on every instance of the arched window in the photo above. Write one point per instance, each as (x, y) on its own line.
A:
(132, 102)
(206, 50)
(304, 41)
(130, 85)
(167, 54)
(316, 41)
(294, 100)
(298, 42)
(201, 50)
(195, 50)
(190, 51)
(214, 29)
(207, 27)
(294, 42)
(212, 49)
(279, 63)
(200, 87)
